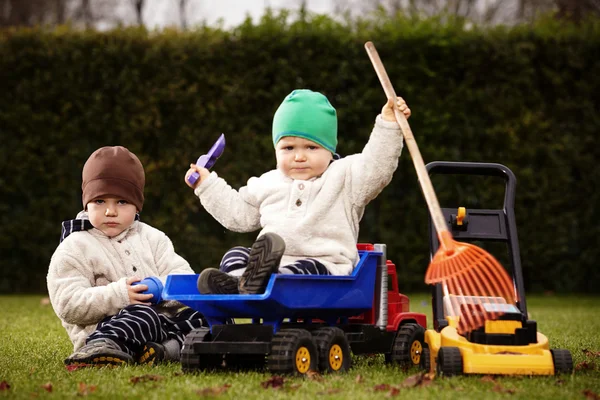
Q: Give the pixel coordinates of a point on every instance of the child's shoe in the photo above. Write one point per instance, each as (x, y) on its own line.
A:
(155, 353)
(214, 281)
(152, 353)
(99, 352)
(265, 256)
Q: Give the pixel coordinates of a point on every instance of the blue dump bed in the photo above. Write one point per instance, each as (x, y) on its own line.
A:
(286, 296)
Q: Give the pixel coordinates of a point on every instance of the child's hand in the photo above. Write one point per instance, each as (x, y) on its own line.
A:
(194, 168)
(134, 292)
(387, 112)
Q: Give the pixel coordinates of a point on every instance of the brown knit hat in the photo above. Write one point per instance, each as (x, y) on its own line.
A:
(113, 171)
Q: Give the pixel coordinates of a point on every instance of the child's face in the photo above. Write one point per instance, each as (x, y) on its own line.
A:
(111, 215)
(302, 159)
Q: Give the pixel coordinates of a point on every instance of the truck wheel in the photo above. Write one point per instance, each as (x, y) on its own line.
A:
(408, 345)
(334, 350)
(293, 351)
(192, 362)
(425, 363)
(563, 361)
(449, 362)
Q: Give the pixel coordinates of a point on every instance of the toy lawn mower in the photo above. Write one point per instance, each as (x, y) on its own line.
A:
(508, 344)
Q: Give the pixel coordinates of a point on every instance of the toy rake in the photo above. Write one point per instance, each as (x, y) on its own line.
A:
(466, 272)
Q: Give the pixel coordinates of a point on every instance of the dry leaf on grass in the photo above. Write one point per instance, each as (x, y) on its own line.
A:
(394, 391)
(4, 386)
(591, 395)
(45, 301)
(421, 380)
(591, 353)
(213, 391)
(47, 387)
(358, 379)
(585, 365)
(314, 376)
(145, 378)
(498, 388)
(488, 378)
(75, 367)
(383, 387)
(276, 382)
(85, 389)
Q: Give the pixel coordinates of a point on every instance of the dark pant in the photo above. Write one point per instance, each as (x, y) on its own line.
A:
(236, 260)
(137, 324)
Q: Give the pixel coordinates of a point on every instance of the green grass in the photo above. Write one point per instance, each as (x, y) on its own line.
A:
(33, 345)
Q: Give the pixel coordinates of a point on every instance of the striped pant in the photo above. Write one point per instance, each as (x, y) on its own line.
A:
(234, 262)
(137, 324)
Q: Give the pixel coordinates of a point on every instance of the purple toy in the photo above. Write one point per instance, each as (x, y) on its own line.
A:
(209, 159)
(155, 288)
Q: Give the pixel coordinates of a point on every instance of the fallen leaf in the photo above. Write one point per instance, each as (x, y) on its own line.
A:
(144, 378)
(74, 367)
(47, 387)
(591, 395)
(276, 382)
(45, 301)
(358, 379)
(314, 376)
(295, 386)
(84, 389)
(4, 385)
(591, 353)
(394, 391)
(381, 387)
(213, 391)
(488, 378)
(585, 365)
(412, 380)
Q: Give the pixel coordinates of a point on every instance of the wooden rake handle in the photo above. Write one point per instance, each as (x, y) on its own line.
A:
(432, 202)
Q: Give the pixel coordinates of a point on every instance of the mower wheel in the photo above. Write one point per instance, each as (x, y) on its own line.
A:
(425, 363)
(449, 361)
(563, 361)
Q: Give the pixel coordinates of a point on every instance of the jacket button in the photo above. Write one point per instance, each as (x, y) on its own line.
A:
(134, 268)
(298, 202)
(127, 252)
(301, 186)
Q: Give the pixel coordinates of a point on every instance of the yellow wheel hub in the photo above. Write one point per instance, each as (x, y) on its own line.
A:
(415, 352)
(336, 357)
(302, 360)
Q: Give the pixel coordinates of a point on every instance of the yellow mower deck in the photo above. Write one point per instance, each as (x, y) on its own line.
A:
(532, 359)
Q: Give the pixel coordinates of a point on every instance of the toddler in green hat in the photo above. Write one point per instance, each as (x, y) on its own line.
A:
(309, 207)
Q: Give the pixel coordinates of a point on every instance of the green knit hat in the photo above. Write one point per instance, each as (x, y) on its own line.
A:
(309, 115)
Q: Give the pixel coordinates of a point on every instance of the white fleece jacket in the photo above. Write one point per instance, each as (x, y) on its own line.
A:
(88, 270)
(318, 218)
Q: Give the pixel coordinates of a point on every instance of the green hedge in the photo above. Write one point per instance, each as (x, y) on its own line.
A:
(527, 98)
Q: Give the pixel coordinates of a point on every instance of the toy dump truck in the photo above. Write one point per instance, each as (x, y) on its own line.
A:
(304, 323)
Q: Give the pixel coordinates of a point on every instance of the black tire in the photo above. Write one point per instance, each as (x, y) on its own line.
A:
(293, 351)
(245, 362)
(408, 345)
(192, 362)
(425, 363)
(449, 361)
(334, 350)
(563, 361)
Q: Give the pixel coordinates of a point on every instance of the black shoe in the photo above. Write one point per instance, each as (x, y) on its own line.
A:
(99, 352)
(214, 281)
(264, 259)
(153, 353)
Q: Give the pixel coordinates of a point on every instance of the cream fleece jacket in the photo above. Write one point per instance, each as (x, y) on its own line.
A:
(318, 218)
(88, 270)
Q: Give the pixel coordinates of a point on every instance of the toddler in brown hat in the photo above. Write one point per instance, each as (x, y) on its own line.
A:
(104, 253)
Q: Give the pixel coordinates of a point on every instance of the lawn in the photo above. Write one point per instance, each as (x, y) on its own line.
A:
(33, 345)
